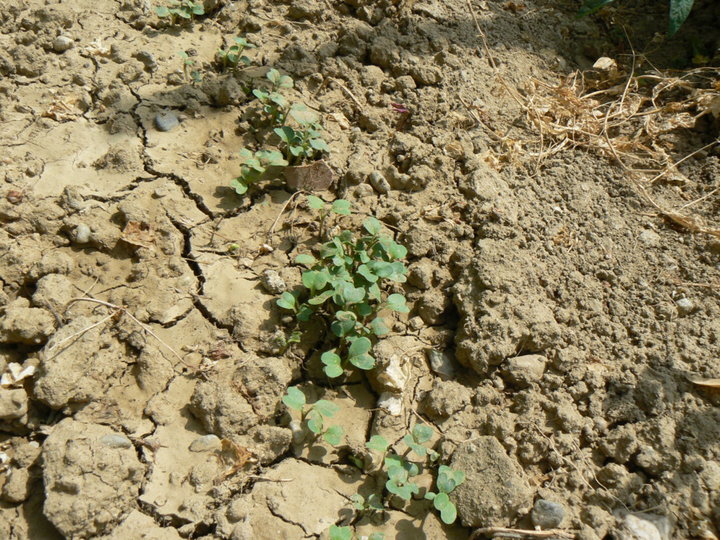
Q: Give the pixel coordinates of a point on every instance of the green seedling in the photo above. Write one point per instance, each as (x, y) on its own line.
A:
(275, 106)
(315, 415)
(254, 166)
(180, 10)
(233, 56)
(415, 440)
(193, 75)
(399, 472)
(679, 11)
(340, 207)
(345, 533)
(373, 503)
(344, 286)
(447, 480)
(303, 144)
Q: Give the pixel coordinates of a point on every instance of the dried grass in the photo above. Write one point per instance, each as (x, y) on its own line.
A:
(634, 120)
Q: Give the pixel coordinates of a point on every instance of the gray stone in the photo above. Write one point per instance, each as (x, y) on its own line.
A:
(20, 324)
(116, 440)
(166, 121)
(441, 363)
(649, 238)
(13, 403)
(62, 43)
(272, 282)
(17, 486)
(522, 371)
(637, 526)
(379, 182)
(206, 443)
(685, 306)
(82, 234)
(495, 491)
(547, 514)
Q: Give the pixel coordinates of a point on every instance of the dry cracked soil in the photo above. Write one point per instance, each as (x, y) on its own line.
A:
(557, 318)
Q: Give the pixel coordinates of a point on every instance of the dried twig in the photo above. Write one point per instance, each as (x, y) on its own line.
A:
(504, 532)
(121, 309)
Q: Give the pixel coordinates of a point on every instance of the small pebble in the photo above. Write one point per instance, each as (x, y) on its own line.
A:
(441, 364)
(116, 441)
(82, 234)
(685, 306)
(166, 121)
(547, 514)
(61, 44)
(206, 443)
(379, 182)
(272, 282)
(650, 238)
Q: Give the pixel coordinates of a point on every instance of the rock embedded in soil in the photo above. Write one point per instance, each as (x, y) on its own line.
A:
(62, 43)
(495, 491)
(89, 486)
(26, 325)
(206, 443)
(441, 363)
(17, 486)
(547, 514)
(522, 371)
(13, 403)
(272, 282)
(166, 121)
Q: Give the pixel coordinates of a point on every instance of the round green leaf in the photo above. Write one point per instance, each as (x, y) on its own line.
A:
(377, 443)
(359, 346)
(316, 203)
(422, 433)
(440, 501)
(378, 326)
(372, 225)
(396, 302)
(363, 361)
(239, 185)
(305, 259)
(294, 398)
(315, 423)
(333, 364)
(340, 533)
(286, 301)
(448, 514)
(341, 206)
(325, 407)
(333, 435)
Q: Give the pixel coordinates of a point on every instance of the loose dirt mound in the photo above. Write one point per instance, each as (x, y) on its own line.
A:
(560, 303)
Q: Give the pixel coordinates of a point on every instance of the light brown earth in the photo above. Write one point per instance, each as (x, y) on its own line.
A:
(565, 312)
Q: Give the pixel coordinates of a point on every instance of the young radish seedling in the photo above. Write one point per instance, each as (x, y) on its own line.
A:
(180, 10)
(254, 166)
(233, 56)
(313, 417)
(344, 286)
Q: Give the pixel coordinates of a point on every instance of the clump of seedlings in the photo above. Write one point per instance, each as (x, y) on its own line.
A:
(233, 57)
(275, 106)
(344, 286)
(399, 472)
(180, 10)
(313, 417)
(254, 167)
(193, 75)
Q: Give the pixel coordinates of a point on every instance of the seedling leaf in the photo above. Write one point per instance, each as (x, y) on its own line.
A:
(326, 408)
(341, 206)
(305, 259)
(396, 302)
(294, 398)
(316, 203)
(377, 443)
(333, 435)
(287, 301)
